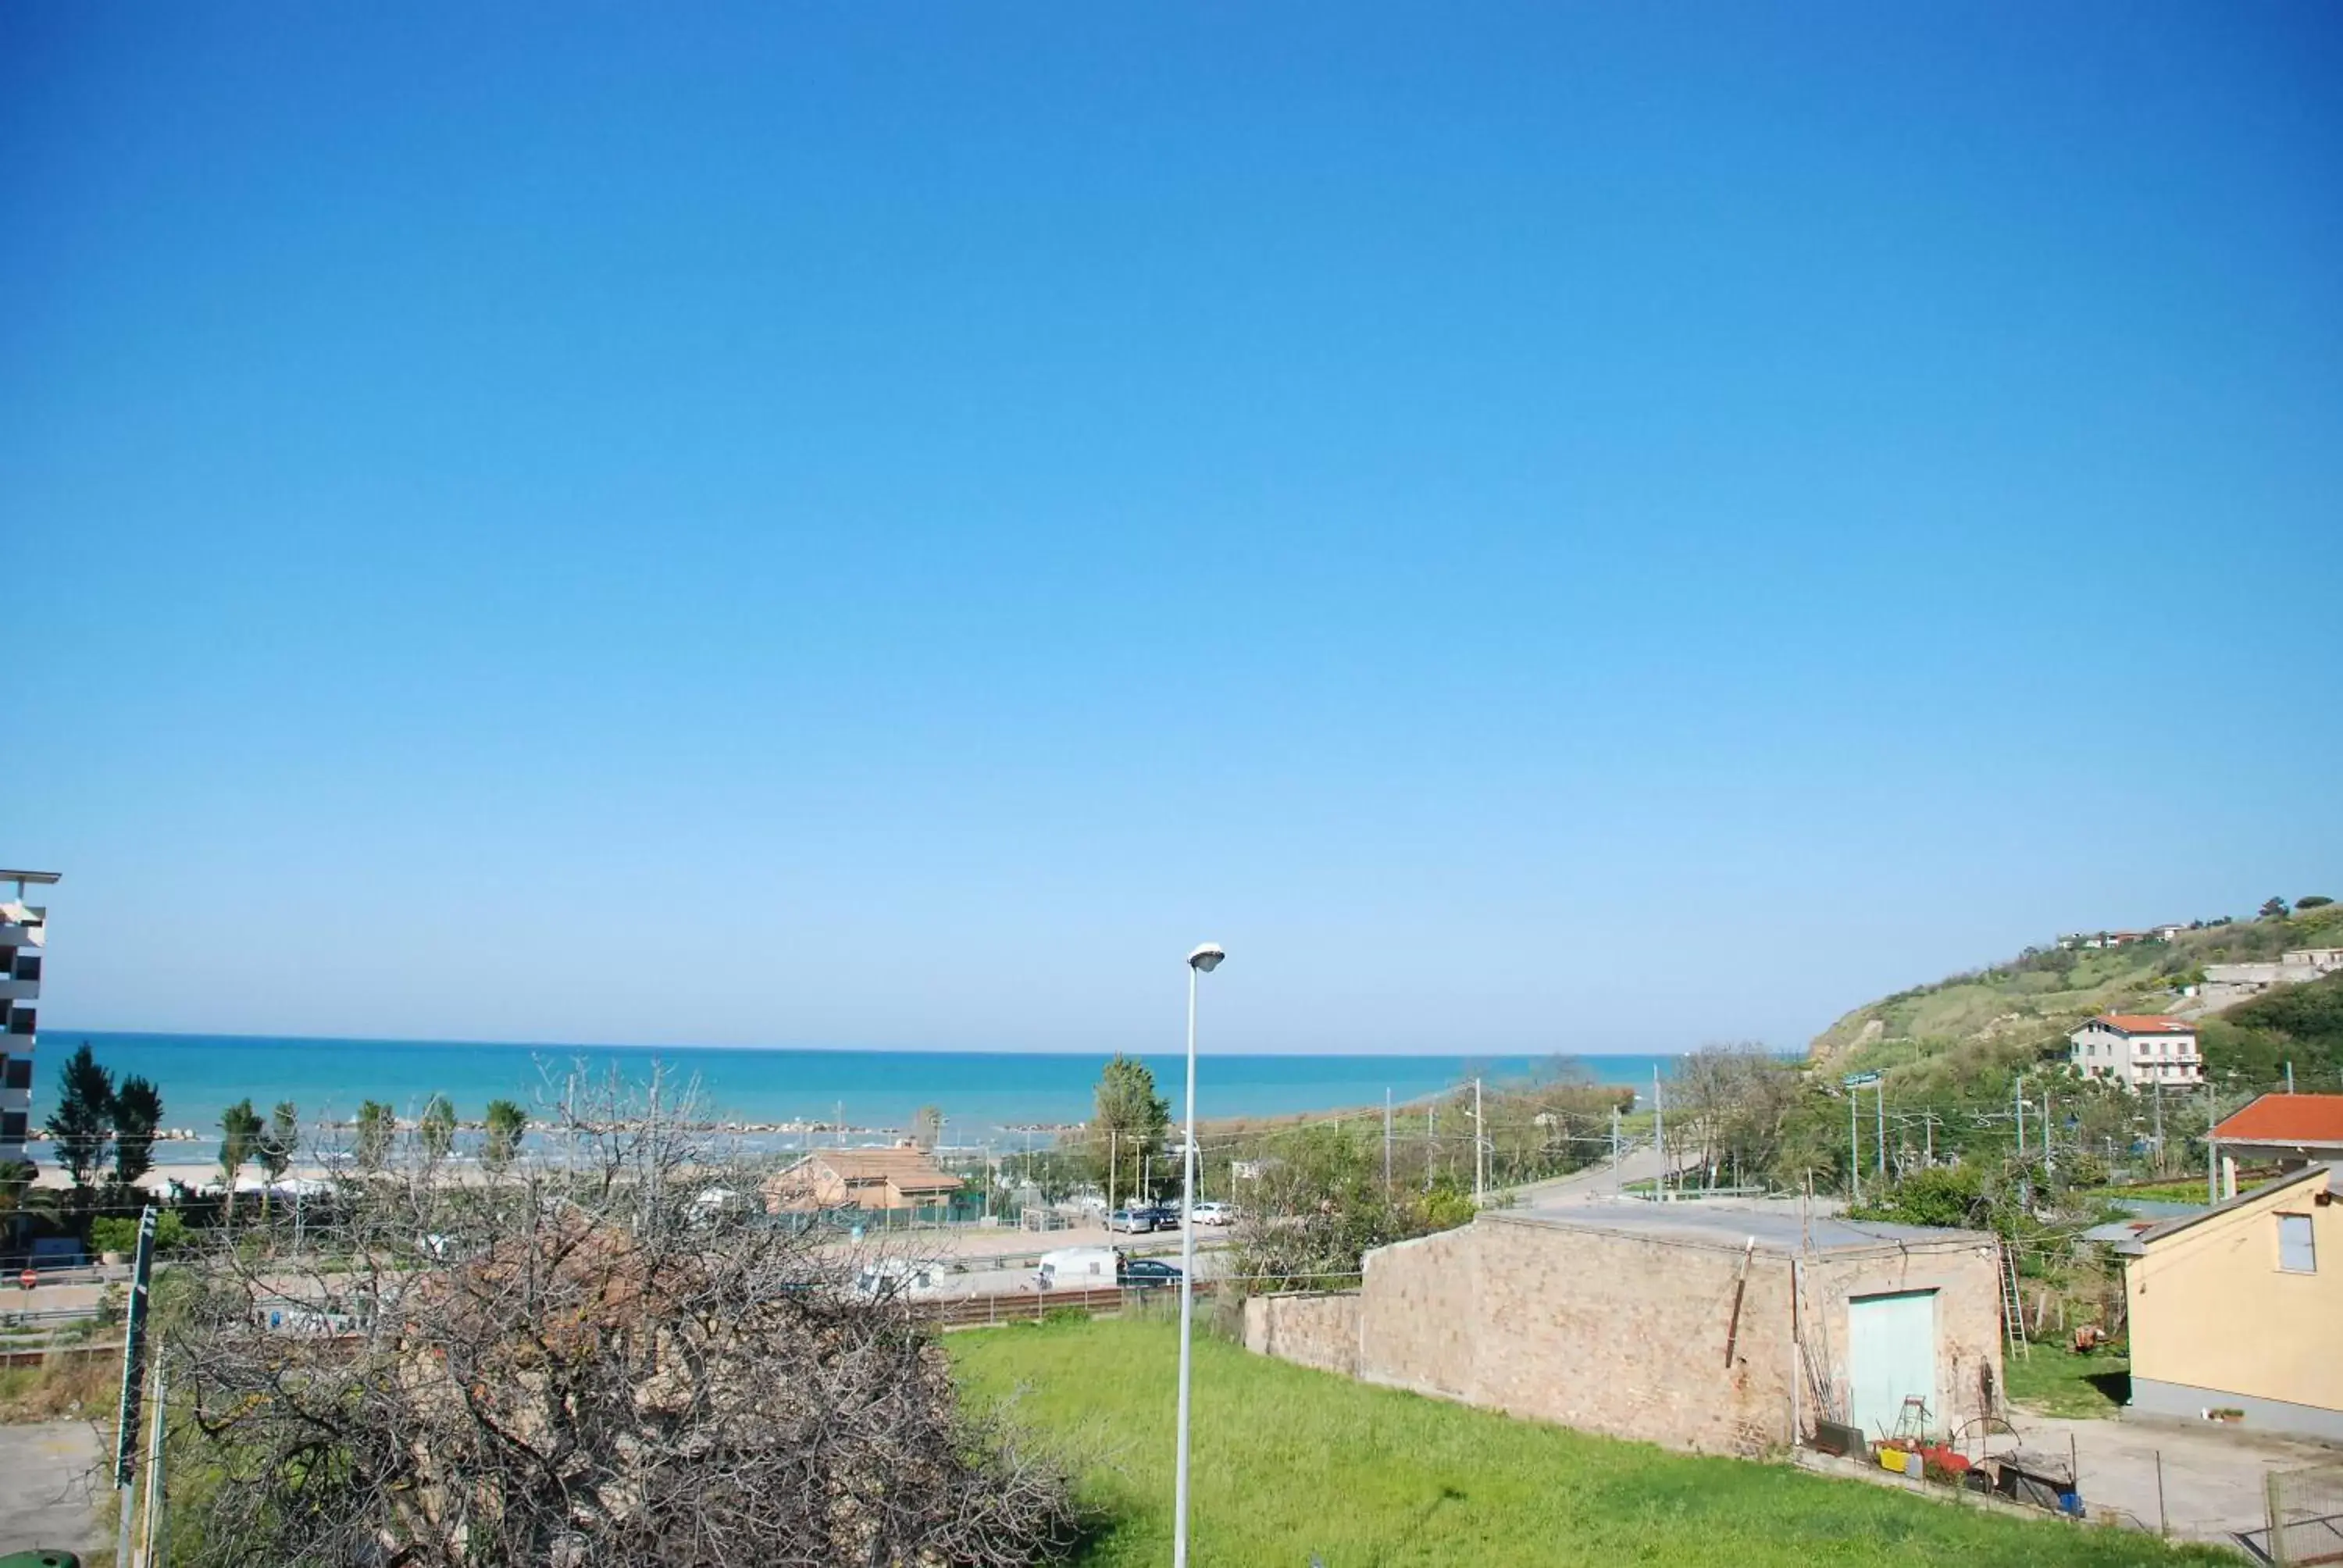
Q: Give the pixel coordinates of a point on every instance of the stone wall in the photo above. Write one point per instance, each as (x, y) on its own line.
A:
(1312, 1330)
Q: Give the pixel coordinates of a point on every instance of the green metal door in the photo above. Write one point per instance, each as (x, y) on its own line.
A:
(1891, 1357)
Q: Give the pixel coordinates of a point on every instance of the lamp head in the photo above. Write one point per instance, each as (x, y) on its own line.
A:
(1206, 958)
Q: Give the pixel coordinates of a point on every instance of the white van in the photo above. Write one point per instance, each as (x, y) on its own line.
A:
(1079, 1269)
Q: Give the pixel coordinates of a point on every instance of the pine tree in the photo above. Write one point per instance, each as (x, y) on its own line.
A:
(1128, 1125)
(138, 1112)
(83, 1122)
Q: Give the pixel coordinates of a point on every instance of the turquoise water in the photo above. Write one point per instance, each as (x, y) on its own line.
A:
(984, 1095)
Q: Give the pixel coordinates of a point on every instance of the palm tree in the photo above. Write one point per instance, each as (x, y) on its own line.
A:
(239, 1134)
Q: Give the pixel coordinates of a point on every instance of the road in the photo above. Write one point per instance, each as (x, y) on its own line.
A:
(49, 1497)
(1593, 1183)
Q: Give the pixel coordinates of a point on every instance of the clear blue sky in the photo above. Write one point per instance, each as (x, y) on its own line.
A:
(1541, 528)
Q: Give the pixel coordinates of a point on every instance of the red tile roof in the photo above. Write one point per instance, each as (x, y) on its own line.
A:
(2145, 1023)
(909, 1169)
(2287, 1118)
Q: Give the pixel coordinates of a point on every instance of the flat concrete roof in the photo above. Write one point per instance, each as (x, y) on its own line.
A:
(44, 878)
(1776, 1229)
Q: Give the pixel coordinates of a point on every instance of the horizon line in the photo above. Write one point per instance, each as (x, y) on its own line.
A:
(837, 1049)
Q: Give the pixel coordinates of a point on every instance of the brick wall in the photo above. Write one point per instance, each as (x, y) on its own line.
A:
(1314, 1331)
(1966, 1278)
(1628, 1335)
(1416, 1313)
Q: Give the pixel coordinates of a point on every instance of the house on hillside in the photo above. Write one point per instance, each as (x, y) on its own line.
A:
(2237, 1308)
(2136, 1050)
(2097, 939)
(2287, 1131)
(901, 1177)
(1719, 1330)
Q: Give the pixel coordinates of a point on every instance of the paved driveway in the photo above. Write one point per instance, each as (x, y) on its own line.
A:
(46, 1488)
(2212, 1474)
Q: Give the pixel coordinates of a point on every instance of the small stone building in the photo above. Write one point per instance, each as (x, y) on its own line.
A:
(1720, 1330)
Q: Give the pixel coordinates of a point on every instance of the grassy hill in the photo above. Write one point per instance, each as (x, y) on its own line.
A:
(1970, 1030)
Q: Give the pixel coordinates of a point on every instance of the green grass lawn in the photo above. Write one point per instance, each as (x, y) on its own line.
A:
(1292, 1464)
(2056, 1382)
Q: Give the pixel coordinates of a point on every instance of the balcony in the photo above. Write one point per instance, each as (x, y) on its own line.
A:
(20, 990)
(20, 1020)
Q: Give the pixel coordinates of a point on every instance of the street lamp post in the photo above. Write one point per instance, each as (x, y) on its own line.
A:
(1203, 961)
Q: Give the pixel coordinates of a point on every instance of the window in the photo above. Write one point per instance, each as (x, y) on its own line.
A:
(19, 1072)
(2297, 1253)
(12, 1127)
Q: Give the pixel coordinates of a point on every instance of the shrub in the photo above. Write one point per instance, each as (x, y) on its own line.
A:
(120, 1233)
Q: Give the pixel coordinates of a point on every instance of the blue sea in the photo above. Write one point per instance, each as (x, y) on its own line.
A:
(985, 1096)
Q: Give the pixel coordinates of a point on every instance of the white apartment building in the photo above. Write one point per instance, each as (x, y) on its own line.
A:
(2136, 1050)
(24, 936)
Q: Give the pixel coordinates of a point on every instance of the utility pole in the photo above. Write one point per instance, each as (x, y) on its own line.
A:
(1479, 1144)
(1855, 1146)
(2049, 1148)
(1660, 1136)
(1928, 1138)
(1387, 1142)
(1429, 1147)
(1614, 1137)
(2212, 1151)
(2289, 1078)
(2159, 1128)
(1879, 1099)
(2021, 1121)
(1109, 1168)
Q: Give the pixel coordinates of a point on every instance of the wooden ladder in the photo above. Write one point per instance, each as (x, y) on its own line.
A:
(2013, 1310)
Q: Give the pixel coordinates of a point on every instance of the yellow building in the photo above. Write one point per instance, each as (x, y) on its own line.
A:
(2238, 1308)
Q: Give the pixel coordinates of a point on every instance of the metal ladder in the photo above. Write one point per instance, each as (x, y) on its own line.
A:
(2013, 1310)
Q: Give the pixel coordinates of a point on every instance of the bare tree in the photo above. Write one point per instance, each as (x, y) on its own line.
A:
(580, 1361)
(1732, 1102)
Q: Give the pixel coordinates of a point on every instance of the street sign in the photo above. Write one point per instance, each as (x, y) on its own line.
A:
(1860, 1080)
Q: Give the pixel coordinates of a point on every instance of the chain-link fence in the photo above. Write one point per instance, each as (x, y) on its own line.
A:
(2305, 1517)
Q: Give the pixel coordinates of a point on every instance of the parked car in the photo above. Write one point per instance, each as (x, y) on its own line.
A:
(1160, 1217)
(1135, 1220)
(1213, 1213)
(1149, 1274)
